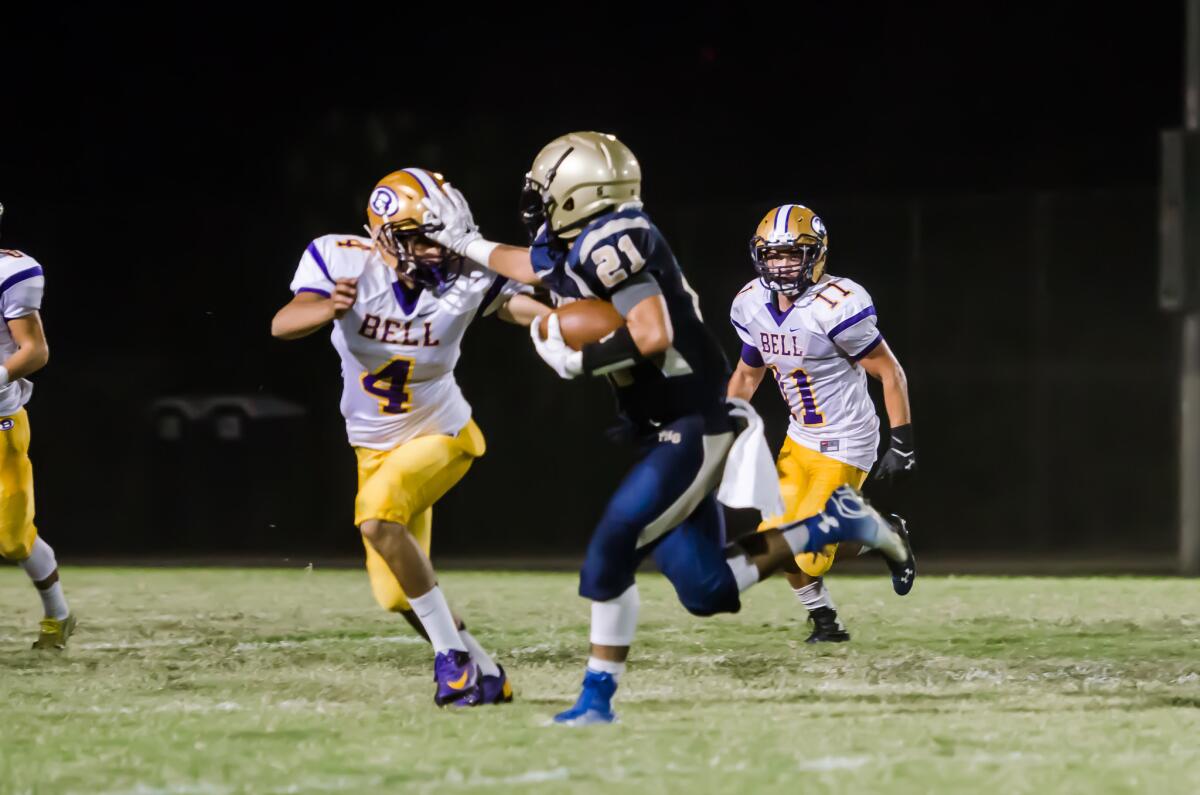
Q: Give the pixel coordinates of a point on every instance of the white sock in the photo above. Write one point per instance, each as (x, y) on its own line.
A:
(614, 622)
(435, 616)
(606, 667)
(41, 562)
(814, 595)
(744, 571)
(53, 602)
(487, 666)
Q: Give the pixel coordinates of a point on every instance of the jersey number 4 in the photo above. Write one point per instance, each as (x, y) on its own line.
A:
(389, 385)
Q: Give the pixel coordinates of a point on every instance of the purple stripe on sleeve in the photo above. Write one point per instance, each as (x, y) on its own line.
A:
(316, 255)
(850, 321)
(20, 276)
(870, 347)
(492, 293)
(312, 290)
(739, 325)
(751, 355)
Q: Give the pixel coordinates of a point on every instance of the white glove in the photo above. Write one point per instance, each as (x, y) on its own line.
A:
(566, 362)
(449, 208)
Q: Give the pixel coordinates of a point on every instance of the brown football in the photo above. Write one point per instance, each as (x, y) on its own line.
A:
(584, 321)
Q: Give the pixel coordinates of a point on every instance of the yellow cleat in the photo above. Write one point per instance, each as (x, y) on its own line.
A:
(54, 633)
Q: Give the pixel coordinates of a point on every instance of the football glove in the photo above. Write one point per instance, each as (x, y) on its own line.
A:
(566, 362)
(450, 209)
(900, 460)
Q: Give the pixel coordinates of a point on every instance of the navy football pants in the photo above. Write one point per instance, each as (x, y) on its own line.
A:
(665, 507)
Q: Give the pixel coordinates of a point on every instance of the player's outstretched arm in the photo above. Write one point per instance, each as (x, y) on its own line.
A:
(32, 351)
(522, 310)
(745, 380)
(460, 234)
(309, 311)
(512, 262)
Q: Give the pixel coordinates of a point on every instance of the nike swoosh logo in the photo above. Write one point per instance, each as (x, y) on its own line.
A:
(794, 329)
(460, 683)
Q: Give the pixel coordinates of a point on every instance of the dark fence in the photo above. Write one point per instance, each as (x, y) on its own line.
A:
(1041, 377)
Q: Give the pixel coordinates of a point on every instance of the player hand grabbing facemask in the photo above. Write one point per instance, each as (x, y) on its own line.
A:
(451, 210)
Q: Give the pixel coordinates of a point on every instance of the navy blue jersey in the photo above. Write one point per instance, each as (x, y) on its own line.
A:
(623, 252)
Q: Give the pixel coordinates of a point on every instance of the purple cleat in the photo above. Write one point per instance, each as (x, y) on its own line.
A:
(457, 679)
(495, 689)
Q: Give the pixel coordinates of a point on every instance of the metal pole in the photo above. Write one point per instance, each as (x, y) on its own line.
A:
(1189, 371)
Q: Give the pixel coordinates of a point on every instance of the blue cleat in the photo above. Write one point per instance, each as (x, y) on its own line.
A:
(904, 572)
(457, 679)
(495, 689)
(594, 704)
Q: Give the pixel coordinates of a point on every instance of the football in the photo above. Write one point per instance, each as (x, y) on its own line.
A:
(584, 321)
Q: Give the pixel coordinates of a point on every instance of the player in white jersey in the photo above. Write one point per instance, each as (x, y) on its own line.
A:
(399, 305)
(817, 335)
(23, 351)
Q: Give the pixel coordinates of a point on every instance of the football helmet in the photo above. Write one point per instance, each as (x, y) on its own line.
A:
(576, 177)
(789, 248)
(396, 222)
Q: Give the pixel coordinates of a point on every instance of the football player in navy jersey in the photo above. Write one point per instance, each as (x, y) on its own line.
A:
(591, 238)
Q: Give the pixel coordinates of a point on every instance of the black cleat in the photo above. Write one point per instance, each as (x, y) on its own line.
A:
(904, 573)
(826, 627)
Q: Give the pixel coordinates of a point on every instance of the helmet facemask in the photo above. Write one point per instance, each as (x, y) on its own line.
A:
(790, 266)
(532, 207)
(426, 263)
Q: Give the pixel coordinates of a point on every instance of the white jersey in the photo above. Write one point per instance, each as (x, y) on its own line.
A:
(398, 346)
(21, 286)
(812, 350)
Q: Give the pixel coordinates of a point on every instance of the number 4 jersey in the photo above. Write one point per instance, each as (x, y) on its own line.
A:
(398, 346)
(812, 350)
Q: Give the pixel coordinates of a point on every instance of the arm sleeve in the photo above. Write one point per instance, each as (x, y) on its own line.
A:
(633, 291)
(741, 323)
(851, 324)
(499, 292)
(312, 272)
(22, 292)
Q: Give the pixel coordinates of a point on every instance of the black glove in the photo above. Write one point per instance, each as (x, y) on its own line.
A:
(900, 460)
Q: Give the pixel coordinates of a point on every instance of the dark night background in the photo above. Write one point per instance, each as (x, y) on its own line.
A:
(988, 172)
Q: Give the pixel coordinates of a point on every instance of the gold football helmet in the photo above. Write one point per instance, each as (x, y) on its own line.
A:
(396, 222)
(788, 249)
(574, 178)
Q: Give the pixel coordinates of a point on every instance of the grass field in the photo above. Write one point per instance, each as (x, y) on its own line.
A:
(214, 681)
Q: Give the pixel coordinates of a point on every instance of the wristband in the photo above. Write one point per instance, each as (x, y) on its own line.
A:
(902, 438)
(617, 352)
(480, 250)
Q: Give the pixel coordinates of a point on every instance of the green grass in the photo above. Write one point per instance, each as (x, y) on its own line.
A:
(266, 681)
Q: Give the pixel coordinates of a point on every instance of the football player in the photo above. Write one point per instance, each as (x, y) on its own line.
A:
(24, 351)
(591, 238)
(399, 304)
(817, 335)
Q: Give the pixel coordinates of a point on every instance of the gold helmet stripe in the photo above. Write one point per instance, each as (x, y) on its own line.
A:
(424, 181)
